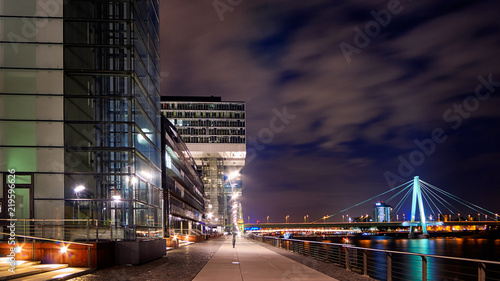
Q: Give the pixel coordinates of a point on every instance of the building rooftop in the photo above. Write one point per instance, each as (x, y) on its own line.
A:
(193, 99)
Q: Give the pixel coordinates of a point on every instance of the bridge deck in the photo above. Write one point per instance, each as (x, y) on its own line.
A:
(250, 261)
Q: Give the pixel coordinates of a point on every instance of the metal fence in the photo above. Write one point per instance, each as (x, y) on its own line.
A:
(390, 265)
(77, 230)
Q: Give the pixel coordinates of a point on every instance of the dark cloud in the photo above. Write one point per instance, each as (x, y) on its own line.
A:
(354, 119)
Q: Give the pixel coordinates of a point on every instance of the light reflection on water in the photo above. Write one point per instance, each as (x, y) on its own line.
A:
(485, 249)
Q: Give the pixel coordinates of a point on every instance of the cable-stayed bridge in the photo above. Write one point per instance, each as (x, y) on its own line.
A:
(431, 208)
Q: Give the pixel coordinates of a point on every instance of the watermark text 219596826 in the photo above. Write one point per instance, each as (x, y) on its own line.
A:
(11, 205)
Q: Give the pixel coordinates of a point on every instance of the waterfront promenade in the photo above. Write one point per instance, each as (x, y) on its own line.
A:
(251, 261)
(213, 260)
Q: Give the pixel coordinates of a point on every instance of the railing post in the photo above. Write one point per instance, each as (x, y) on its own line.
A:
(424, 268)
(365, 263)
(96, 230)
(89, 257)
(34, 248)
(347, 266)
(481, 274)
(88, 230)
(389, 267)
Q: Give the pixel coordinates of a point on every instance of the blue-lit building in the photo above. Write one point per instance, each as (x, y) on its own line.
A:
(382, 212)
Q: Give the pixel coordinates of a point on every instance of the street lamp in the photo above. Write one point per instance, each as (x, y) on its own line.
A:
(305, 218)
(234, 195)
(267, 219)
(78, 189)
(286, 218)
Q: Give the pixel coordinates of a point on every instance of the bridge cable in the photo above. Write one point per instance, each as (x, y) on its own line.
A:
(440, 199)
(458, 199)
(429, 194)
(425, 196)
(355, 205)
(400, 204)
(392, 197)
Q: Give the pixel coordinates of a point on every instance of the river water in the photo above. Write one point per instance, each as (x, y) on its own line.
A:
(409, 267)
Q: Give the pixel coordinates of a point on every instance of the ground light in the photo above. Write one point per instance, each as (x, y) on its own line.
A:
(64, 249)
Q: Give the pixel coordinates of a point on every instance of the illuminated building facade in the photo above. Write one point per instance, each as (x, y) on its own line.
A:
(79, 113)
(183, 188)
(215, 133)
(382, 212)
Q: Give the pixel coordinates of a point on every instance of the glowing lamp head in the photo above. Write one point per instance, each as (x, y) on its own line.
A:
(64, 249)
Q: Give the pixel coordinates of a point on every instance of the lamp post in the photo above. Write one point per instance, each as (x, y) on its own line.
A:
(78, 189)
(305, 218)
(267, 219)
(286, 218)
(233, 198)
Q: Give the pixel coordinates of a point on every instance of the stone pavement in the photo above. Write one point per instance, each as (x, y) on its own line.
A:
(250, 261)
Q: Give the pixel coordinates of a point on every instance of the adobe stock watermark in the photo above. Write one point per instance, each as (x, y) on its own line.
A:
(11, 210)
(372, 29)
(222, 6)
(277, 124)
(29, 28)
(454, 117)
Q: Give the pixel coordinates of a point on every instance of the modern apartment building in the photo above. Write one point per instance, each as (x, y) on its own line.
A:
(214, 131)
(184, 203)
(80, 117)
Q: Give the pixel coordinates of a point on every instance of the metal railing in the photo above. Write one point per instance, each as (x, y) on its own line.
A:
(390, 265)
(33, 240)
(79, 229)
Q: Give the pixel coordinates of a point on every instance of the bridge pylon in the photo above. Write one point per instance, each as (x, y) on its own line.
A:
(417, 200)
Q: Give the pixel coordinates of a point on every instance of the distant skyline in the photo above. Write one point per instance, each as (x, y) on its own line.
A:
(346, 99)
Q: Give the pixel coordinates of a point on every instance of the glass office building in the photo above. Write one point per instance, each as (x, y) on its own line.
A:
(183, 187)
(79, 112)
(215, 133)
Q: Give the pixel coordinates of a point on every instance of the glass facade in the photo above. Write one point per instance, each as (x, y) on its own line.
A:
(80, 110)
(183, 187)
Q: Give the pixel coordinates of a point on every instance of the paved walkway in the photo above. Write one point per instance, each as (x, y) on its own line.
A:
(250, 261)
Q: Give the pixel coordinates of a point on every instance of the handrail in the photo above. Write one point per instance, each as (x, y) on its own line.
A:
(48, 239)
(388, 251)
(356, 258)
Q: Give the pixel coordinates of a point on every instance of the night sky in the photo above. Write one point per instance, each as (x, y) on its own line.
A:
(340, 93)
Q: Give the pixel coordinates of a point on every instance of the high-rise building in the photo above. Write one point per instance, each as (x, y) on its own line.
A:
(214, 131)
(79, 114)
(382, 212)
